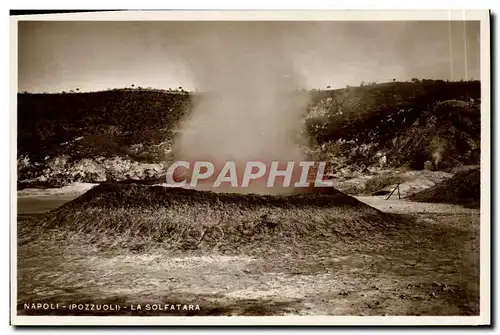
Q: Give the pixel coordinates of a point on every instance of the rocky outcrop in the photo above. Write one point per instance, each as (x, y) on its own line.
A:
(60, 171)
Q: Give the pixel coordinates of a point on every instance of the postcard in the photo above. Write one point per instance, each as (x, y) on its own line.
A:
(251, 168)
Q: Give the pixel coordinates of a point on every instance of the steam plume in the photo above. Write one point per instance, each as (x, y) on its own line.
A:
(250, 106)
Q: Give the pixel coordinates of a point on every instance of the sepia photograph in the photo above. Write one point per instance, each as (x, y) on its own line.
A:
(250, 168)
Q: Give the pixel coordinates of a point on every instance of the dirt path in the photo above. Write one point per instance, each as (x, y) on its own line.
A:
(402, 206)
(37, 201)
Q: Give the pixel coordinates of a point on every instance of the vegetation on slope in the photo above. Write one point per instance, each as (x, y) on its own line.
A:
(409, 123)
(105, 123)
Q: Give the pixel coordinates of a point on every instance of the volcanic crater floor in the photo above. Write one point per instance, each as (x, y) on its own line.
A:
(310, 254)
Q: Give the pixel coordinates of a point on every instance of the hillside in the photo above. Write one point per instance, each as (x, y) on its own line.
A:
(109, 122)
(127, 133)
(399, 124)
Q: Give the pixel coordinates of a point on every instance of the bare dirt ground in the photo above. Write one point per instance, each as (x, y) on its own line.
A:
(395, 205)
(385, 180)
(430, 267)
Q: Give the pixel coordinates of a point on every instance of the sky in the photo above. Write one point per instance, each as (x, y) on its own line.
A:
(56, 56)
